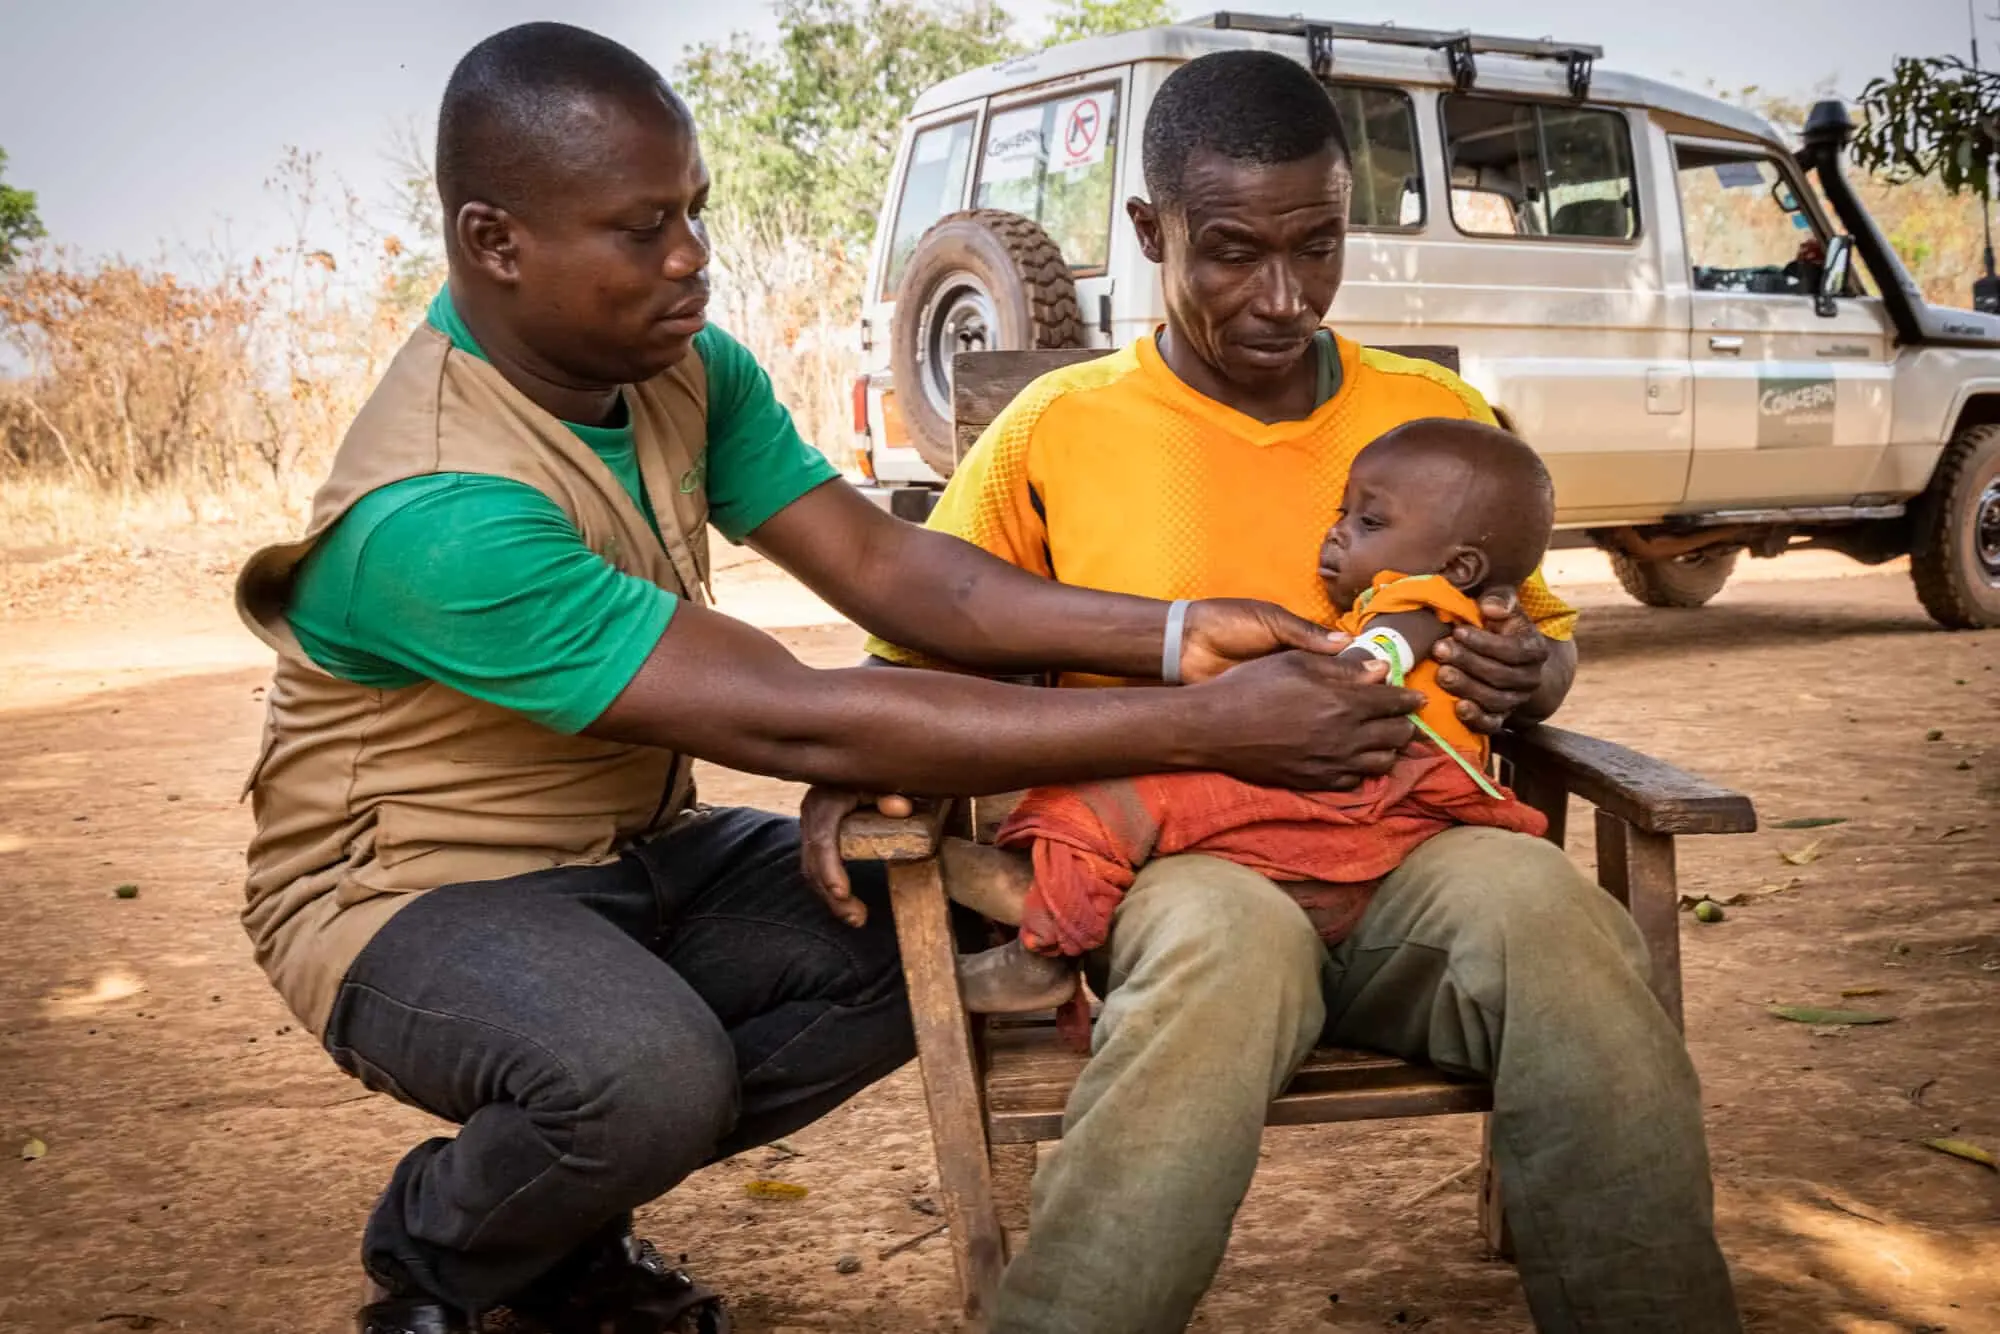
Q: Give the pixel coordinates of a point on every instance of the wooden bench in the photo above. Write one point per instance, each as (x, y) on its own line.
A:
(996, 1087)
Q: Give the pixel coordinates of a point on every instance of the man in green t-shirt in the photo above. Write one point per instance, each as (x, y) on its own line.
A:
(482, 583)
(603, 1026)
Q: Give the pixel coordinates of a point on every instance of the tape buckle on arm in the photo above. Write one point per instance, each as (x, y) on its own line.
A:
(1386, 644)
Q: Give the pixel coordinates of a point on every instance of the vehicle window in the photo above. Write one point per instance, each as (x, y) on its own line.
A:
(932, 187)
(1746, 229)
(1381, 125)
(1055, 162)
(1528, 170)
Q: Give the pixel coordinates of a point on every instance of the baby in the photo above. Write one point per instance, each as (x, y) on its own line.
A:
(1436, 513)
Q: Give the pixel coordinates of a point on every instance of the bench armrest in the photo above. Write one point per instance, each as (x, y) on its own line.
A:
(1650, 795)
(870, 836)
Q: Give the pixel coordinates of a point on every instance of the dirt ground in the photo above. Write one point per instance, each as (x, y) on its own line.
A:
(208, 1169)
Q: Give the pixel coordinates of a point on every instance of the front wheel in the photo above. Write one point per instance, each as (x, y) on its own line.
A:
(1677, 581)
(1955, 554)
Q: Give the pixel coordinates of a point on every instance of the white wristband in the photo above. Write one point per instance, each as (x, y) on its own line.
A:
(1384, 643)
(1170, 651)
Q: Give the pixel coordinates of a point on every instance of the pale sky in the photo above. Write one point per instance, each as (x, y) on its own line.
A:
(151, 123)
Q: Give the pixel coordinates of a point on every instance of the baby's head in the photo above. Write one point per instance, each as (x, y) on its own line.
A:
(1440, 496)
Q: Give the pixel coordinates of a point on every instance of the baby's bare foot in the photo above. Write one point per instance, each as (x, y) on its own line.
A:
(1012, 979)
(993, 882)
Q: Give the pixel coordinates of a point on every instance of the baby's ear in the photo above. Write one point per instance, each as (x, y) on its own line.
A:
(1466, 568)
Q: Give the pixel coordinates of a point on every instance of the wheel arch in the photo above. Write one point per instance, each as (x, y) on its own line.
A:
(1978, 404)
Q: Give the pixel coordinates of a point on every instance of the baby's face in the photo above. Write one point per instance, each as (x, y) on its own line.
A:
(1389, 520)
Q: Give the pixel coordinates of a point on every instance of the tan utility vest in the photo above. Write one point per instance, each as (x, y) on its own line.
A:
(364, 797)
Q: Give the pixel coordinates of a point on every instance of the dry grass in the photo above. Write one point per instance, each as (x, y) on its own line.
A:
(205, 394)
(44, 515)
(156, 403)
(796, 303)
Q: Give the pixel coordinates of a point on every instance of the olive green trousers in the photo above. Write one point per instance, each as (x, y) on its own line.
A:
(1487, 954)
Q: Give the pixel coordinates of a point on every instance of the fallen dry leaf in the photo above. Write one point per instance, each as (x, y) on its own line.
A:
(1804, 856)
(774, 1190)
(1810, 822)
(1956, 949)
(1955, 831)
(1813, 1014)
(1862, 991)
(1966, 1149)
(33, 1149)
(1832, 1203)
(1741, 896)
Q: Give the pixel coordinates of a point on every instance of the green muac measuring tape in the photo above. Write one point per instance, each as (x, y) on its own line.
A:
(1395, 650)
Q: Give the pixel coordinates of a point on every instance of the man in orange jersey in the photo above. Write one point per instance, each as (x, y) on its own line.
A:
(1207, 460)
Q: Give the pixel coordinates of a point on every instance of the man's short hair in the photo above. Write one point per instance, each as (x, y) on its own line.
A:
(511, 110)
(1247, 106)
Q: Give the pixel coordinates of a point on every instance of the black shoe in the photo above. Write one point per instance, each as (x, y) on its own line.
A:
(621, 1285)
(410, 1315)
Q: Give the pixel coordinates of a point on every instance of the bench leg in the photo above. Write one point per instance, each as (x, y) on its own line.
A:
(1013, 1187)
(1637, 869)
(1492, 1218)
(951, 1084)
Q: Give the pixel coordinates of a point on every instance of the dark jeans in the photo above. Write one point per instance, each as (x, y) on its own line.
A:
(600, 1032)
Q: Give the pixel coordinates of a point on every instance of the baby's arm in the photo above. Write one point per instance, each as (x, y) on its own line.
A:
(1410, 635)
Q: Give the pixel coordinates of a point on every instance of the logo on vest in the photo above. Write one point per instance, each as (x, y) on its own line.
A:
(692, 479)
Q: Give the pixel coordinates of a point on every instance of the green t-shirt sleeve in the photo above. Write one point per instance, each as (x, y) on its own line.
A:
(757, 462)
(483, 585)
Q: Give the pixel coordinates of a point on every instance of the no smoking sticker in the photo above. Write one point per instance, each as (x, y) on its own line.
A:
(1082, 130)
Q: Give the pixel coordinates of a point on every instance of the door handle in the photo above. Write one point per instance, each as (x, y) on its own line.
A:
(1725, 343)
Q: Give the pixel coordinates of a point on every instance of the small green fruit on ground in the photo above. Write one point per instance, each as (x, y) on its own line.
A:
(1708, 910)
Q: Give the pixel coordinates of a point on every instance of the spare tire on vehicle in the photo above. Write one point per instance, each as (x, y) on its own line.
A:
(980, 281)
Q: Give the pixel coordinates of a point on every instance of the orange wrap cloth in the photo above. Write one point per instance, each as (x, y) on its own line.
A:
(1089, 839)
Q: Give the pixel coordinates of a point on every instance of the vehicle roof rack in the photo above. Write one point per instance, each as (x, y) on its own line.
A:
(1460, 47)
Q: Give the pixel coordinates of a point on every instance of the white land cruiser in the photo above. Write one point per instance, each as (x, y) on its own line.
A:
(1642, 280)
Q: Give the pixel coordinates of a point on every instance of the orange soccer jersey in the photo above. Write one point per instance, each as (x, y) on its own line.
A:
(1114, 474)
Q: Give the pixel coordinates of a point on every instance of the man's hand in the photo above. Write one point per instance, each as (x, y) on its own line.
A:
(1320, 723)
(820, 815)
(1221, 633)
(1496, 670)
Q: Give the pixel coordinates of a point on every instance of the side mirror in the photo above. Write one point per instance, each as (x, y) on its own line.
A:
(1986, 295)
(1833, 275)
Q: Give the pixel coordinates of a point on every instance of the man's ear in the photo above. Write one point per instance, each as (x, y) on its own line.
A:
(1146, 223)
(1466, 568)
(489, 237)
